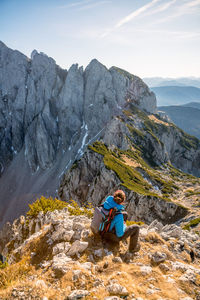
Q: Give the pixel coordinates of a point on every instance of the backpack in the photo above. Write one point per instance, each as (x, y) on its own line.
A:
(102, 219)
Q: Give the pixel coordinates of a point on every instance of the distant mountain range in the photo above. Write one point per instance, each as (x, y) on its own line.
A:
(186, 116)
(175, 95)
(160, 81)
(192, 104)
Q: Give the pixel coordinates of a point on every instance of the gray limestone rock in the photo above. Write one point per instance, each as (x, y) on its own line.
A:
(78, 294)
(117, 289)
(158, 257)
(48, 116)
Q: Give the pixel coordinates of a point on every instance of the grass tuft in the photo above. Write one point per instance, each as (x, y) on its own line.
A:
(192, 224)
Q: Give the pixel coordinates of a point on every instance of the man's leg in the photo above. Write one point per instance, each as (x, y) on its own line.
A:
(133, 232)
(109, 236)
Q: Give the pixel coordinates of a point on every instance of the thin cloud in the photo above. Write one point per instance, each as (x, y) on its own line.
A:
(135, 13)
(161, 8)
(92, 5)
(129, 17)
(193, 3)
(76, 4)
(182, 8)
(187, 8)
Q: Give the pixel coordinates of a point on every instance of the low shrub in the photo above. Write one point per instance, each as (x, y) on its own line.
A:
(76, 210)
(192, 224)
(129, 223)
(45, 204)
(3, 265)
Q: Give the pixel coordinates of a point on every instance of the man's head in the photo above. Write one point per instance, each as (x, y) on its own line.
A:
(119, 197)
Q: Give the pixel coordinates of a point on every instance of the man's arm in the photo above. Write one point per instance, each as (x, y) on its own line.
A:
(119, 225)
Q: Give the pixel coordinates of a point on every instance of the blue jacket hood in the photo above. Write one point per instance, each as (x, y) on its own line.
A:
(110, 203)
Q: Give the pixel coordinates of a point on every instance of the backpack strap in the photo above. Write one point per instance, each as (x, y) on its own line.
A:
(105, 224)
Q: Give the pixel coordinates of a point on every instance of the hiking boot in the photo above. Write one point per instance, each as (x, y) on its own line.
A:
(136, 249)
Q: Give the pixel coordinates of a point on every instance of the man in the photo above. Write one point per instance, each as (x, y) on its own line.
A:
(118, 230)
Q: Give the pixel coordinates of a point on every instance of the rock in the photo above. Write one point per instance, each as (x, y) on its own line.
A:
(189, 276)
(87, 266)
(61, 247)
(145, 270)
(117, 289)
(76, 275)
(98, 283)
(164, 267)
(172, 230)
(112, 298)
(143, 232)
(45, 264)
(156, 225)
(152, 289)
(78, 226)
(77, 235)
(85, 233)
(117, 259)
(98, 252)
(60, 264)
(78, 294)
(40, 284)
(77, 247)
(158, 257)
(62, 235)
(170, 280)
(108, 253)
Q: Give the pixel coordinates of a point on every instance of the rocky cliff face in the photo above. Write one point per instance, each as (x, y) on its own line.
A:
(49, 116)
(126, 156)
(43, 106)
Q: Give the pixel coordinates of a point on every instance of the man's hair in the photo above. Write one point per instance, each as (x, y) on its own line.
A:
(119, 196)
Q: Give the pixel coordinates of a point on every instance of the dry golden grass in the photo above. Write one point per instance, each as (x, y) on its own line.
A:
(14, 273)
(153, 118)
(130, 162)
(154, 238)
(130, 275)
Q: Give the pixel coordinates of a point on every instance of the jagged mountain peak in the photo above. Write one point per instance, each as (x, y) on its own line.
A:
(49, 116)
(2, 44)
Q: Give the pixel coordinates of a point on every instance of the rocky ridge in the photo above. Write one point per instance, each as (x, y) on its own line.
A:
(47, 117)
(55, 256)
(135, 154)
(55, 115)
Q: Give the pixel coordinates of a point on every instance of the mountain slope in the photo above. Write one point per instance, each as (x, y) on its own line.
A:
(134, 154)
(49, 116)
(174, 95)
(192, 104)
(182, 81)
(185, 117)
(53, 255)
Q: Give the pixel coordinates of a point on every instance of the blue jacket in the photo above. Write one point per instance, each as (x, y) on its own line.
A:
(118, 221)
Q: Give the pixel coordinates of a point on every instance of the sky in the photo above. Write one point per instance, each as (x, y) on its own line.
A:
(147, 38)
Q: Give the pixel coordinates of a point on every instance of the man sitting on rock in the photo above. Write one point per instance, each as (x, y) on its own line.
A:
(118, 230)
